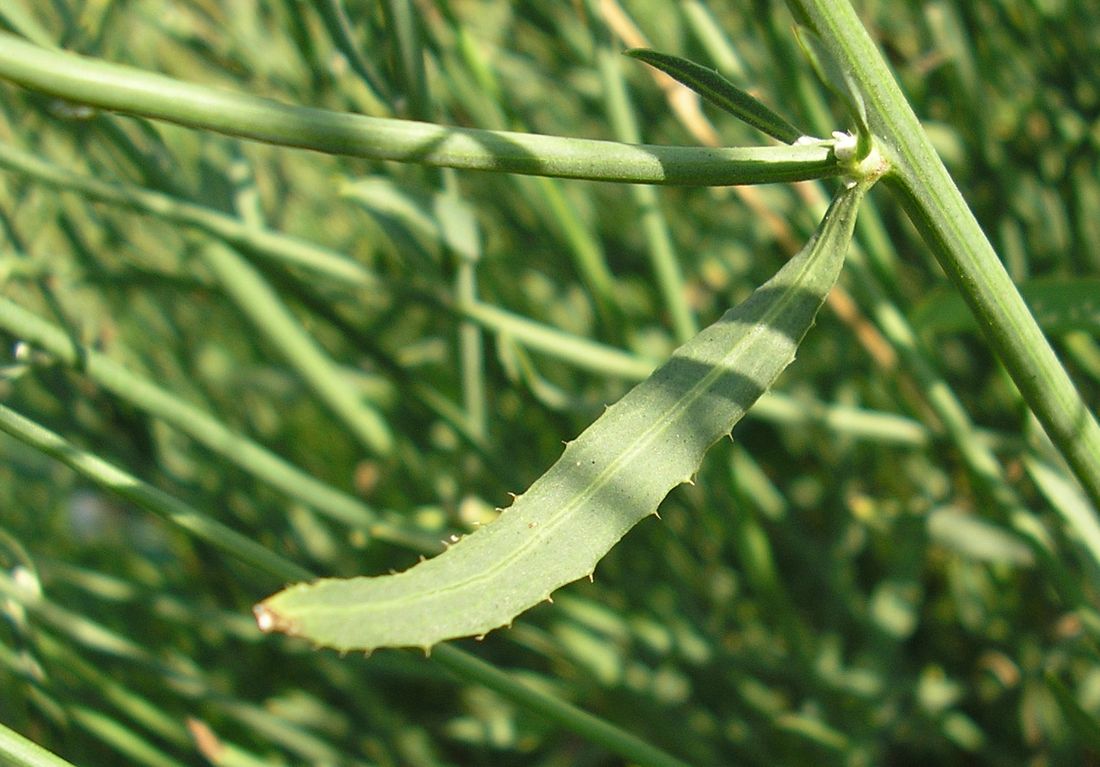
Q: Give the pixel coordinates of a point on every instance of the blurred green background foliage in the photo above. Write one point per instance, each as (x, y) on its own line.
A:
(832, 589)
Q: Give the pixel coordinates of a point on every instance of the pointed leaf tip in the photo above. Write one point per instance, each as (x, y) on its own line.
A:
(719, 91)
(632, 456)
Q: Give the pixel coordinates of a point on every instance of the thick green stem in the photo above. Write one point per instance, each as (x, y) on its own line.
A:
(939, 211)
(133, 91)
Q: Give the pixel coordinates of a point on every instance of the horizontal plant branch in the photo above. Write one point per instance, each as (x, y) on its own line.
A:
(133, 91)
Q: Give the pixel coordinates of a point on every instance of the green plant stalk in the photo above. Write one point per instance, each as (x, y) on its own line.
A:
(938, 210)
(265, 242)
(133, 91)
(240, 547)
(145, 496)
(18, 751)
(974, 447)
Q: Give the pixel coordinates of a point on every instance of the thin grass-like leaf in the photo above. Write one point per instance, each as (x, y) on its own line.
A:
(716, 89)
(609, 479)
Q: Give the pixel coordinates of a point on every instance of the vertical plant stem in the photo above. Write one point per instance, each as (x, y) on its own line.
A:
(662, 253)
(405, 34)
(471, 348)
(939, 211)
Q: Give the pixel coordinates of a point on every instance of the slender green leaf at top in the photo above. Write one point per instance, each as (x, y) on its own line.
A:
(610, 478)
(716, 89)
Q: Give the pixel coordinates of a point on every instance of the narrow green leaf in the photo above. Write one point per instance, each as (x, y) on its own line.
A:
(716, 89)
(610, 478)
(838, 79)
